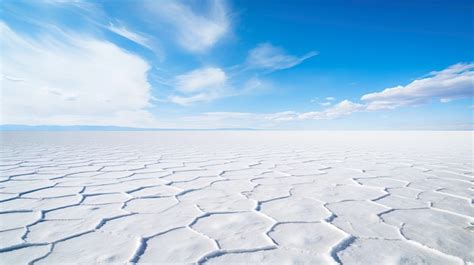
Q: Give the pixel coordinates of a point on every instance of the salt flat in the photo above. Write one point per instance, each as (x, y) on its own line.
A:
(221, 197)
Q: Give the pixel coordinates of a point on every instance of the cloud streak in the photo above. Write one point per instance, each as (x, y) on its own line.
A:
(72, 79)
(194, 31)
(126, 33)
(454, 82)
(269, 57)
(200, 85)
(343, 108)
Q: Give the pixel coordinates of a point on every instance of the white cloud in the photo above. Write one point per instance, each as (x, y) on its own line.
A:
(341, 109)
(208, 78)
(267, 120)
(71, 79)
(456, 81)
(200, 85)
(445, 100)
(188, 100)
(326, 103)
(62, 1)
(210, 83)
(83, 6)
(282, 116)
(223, 120)
(195, 31)
(126, 33)
(267, 56)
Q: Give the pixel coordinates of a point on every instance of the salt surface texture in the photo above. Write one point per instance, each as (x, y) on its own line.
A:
(237, 197)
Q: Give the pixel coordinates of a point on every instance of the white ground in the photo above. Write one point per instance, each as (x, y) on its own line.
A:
(237, 197)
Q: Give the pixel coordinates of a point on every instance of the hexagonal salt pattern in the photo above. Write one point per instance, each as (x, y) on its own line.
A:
(236, 197)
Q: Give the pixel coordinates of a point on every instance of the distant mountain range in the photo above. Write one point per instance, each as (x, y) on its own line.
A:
(18, 127)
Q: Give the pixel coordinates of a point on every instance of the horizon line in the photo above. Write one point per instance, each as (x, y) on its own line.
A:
(72, 128)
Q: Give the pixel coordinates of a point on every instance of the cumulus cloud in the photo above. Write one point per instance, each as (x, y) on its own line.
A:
(203, 84)
(71, 79)
(195, 31)
(267, 56)
(454, 82)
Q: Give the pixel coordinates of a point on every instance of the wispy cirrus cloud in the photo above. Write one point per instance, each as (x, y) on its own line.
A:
(128, 34)
(200, 85)
(194, 31)
(72, 79)
(208, 83)
(269, 57)
(201, 79)
(341, 109)
(454, 82)
(328, 101)
(266, 120)
(77, 3)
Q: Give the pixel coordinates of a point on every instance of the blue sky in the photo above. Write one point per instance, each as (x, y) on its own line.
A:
(239, 64)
